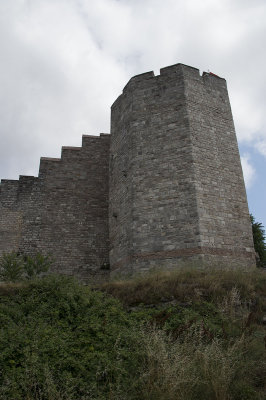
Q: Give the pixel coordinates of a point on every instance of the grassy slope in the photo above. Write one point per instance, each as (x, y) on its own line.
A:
(184, 335)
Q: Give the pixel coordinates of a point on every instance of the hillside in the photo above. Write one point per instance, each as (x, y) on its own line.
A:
(184, 335)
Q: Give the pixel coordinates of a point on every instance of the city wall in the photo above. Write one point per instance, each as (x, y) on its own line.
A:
(164, 189)
(63, 212)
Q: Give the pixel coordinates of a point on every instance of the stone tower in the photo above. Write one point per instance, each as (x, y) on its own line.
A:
(176, 188)
(169, 176)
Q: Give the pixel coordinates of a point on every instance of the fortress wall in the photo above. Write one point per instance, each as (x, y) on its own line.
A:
(16, 204)
(225, 226)
(28, 204)
(10, 216)
(73, 201)
(157, 218)
(31, 207)
(166, 187)
(63, 212)
(120, 181)
(9, 192)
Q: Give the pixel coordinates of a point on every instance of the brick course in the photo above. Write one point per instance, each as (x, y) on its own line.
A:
(183, 195)
(63, 212)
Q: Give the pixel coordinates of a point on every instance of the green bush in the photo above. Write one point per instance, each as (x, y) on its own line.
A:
(36, 265)
(259, 241)
(63, 341)
(15, 267)
(11, 267)
(60, 340)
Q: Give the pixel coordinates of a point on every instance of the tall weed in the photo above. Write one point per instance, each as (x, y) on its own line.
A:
(188, 368)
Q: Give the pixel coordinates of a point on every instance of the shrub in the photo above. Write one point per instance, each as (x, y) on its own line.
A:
(11, 267)
(60, 340)
(36, 265)
(15, 267)
(259, 241)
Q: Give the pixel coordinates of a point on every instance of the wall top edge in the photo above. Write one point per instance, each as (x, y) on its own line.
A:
(50, 159)
(11, 181)
(178, 66)
(71, 148)
(96, 136)
(27, 177)
(90, 136)
(171, 71)
(100, 136)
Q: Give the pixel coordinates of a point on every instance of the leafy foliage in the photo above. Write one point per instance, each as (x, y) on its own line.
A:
(259, 241)
(190, 336)
(36, 265)
(11, 267)
(15, 267)
(57, 335)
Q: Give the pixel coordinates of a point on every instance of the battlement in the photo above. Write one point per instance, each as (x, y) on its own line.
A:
(173, 134)
(164, 188)
(180, 73)
(176, 69)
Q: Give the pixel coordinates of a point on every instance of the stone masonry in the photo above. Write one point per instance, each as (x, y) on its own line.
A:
(169, 176)
(63, 212)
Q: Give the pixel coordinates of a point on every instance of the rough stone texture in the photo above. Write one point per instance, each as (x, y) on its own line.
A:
(175, 190)
(176, 185)
(63, 212)
(10, 217)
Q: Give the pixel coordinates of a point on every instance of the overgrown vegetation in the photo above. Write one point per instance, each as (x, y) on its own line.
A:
(187, 334)
(15, 267)
(259, 242)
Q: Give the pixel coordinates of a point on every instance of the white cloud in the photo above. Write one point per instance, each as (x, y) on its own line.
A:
(249, 171)
(56, 83)
(63, 63)
(261, 147)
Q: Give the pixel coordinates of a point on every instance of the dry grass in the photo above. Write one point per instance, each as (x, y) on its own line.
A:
(188, 368)
(7, 289)
(207, 346)
(191, 362)
(187, 284)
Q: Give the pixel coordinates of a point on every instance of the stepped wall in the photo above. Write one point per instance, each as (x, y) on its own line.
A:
(164, 189)
(63, 212)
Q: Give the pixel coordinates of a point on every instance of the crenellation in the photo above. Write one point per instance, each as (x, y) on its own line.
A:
(171, 71)
(139, 80)
(157, 134)
(163, 189)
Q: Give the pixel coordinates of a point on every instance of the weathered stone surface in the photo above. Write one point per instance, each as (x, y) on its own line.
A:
(175, 190)
(176, 185)
(63, 212)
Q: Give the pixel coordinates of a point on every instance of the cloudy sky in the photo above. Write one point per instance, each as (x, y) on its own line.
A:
(64, 62)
